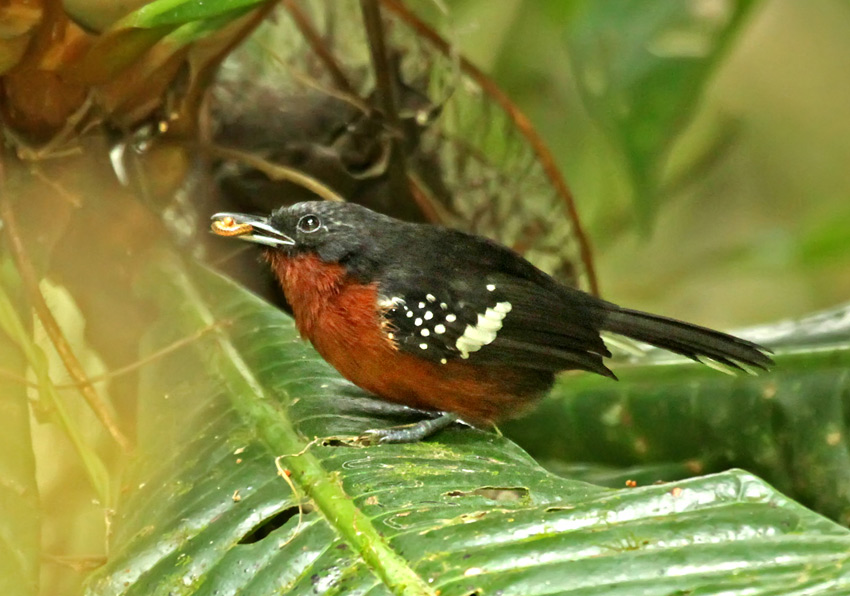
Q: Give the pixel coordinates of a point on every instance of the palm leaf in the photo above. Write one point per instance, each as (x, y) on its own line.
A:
(208, 512)
(670, 419)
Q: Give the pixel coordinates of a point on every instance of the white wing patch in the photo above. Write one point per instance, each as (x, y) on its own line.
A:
(390, 302)
(439, 329)
(484, 331)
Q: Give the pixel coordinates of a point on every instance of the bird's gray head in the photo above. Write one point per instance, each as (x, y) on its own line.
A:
(331, 230)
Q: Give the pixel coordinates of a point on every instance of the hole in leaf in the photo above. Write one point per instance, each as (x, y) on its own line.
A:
(343, 441)
(272, 523)
(501, 494)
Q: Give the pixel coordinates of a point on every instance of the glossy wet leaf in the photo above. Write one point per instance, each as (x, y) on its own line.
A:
(641, 66)
(668, 418)
(207, 512)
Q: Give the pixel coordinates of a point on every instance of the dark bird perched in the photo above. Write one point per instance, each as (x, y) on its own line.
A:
(444, 321)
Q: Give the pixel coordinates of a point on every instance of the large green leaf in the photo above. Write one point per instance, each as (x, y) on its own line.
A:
(465, 513)
(669, 418)
(641, 66)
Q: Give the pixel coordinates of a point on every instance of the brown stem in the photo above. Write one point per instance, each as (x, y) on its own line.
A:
(380, 61)
(317, 44)
(273, 170)
(30, 281)
(187, 121)
(385, 89)
(520, 120)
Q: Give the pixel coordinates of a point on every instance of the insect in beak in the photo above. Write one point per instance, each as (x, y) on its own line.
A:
(250, 228)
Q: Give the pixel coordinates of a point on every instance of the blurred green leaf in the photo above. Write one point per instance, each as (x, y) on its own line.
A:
(174, 23)
(15, 328)
(668, 415)
(196, 30)
(641, 67)
(161, 13)
(468, 512)
(20, 520)
(826, 242)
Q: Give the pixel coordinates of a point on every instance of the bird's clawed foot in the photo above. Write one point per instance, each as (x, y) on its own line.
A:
(409, 433)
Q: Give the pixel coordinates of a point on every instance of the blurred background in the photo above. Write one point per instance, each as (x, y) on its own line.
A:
(753, 221)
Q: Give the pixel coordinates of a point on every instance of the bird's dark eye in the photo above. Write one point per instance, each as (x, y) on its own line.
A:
(309, 223)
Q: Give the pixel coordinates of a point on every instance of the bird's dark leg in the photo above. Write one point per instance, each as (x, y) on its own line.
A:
(409, 433)
(377, 407)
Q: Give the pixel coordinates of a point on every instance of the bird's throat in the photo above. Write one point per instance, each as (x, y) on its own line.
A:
(310, 286)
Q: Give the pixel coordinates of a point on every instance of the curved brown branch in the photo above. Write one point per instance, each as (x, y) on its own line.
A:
(274, 171)
(30, 282)
(520, 120)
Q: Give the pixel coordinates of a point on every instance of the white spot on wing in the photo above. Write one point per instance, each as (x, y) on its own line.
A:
(451, 318)
(409, 314)
(503, 307)
(418, 321)
(490, 287)
(484, 331)
(443, 360)
(439, 329)
(421, 305)
(423, 346)
(430, 297)
(429, 315)
(425, 333)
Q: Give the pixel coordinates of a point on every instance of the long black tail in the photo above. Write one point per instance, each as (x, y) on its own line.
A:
(686, 339)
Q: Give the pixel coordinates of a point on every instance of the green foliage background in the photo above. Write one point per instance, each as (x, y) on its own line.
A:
(752, 226)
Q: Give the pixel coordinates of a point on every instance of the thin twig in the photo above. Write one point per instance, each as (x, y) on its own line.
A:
(521, 121)
(384, 84)
(345, 92)
(63, 143)
(123, 370)
(284, 473)
(234, 252)
(311, 83)
(15, 377)
(30, 282)
(172, 347)
(274, 171)
(433, 210)
(71, 198)
(386, 92)
(78, 564)
(317, 44)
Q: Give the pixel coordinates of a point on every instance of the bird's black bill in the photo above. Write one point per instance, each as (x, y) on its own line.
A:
(250, 228)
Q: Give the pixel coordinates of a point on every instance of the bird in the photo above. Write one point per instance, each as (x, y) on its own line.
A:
(447, 322)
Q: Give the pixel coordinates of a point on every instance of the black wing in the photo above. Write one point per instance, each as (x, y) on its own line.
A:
(478, 301)
(492, 319)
